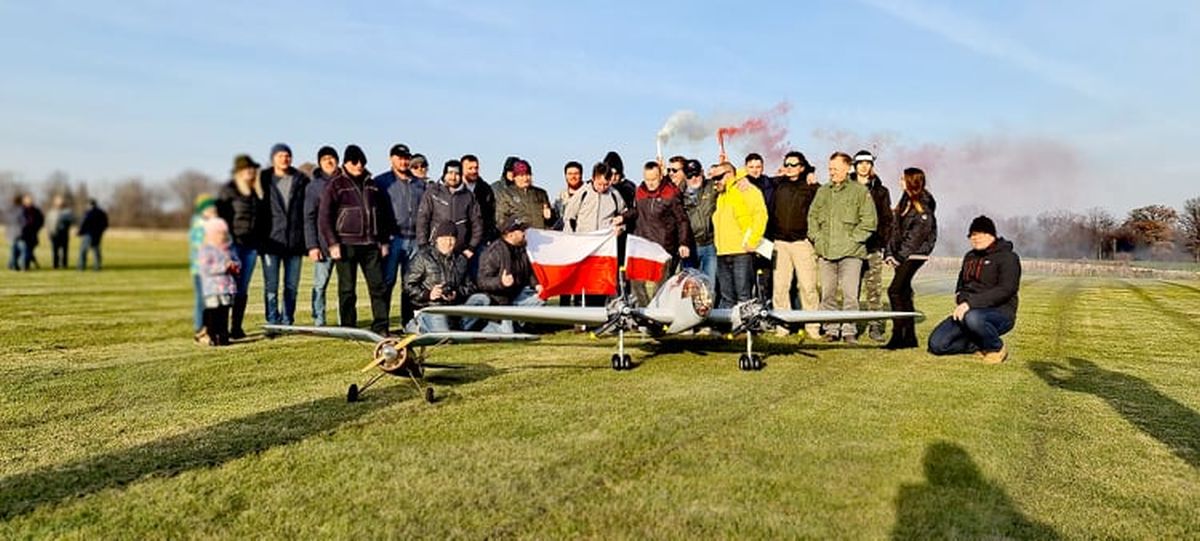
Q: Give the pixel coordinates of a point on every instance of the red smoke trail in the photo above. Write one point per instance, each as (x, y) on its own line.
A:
(766, 133)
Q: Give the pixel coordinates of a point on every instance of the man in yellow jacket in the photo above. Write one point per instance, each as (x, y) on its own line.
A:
(738, 226)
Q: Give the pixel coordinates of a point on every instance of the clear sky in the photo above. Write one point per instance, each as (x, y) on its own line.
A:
(1017, 105)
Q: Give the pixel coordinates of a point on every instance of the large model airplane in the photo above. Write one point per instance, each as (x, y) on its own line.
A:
(683, 303)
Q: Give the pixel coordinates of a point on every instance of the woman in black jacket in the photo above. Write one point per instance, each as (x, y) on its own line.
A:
(242, 206)
(914, 233)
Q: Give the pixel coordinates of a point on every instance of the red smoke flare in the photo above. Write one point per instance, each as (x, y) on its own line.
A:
(766, 132)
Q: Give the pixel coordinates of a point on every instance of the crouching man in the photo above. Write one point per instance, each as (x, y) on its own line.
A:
(986, 296)
(437, 277)
(505, 276)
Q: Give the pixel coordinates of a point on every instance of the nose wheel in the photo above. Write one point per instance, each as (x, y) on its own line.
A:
(749, 362)
(622, 362)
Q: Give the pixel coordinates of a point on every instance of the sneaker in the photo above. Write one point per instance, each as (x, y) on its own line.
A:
(850, 339)
(237, 334)
(996, 357)
(876, 334)
(201, 337)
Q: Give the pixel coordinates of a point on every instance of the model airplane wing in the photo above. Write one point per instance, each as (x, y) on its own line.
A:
(417, 340)
(566, 315)
(725, 315)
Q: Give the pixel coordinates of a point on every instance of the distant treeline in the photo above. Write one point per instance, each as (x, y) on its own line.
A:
(1154, 232)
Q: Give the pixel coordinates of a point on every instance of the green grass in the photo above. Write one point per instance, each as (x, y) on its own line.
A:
(114, 425)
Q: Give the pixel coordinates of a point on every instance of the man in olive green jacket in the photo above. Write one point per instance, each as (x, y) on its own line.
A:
(840, 221)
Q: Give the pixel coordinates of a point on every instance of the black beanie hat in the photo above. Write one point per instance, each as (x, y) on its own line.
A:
(982, 224)
(327, 151)
(355, 155)
(451, 164)
(445, 229)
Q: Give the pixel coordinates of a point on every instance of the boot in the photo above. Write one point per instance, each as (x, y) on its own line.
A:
(239, 313)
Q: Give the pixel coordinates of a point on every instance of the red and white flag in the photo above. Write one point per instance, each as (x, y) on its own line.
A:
(644, 259)
(573, 264)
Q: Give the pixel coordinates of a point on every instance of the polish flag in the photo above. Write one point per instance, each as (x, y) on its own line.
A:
(644, 259)
(573, 264)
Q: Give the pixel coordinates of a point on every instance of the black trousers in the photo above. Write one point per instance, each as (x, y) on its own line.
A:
(900, 293)
(216, 323)
(58, 246)
(369, 258)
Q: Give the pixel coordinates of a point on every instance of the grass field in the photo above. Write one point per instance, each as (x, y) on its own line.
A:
(114, 425)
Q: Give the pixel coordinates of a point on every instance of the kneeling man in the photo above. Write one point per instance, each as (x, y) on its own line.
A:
(986, 295)
(437, 276)
(506, 276)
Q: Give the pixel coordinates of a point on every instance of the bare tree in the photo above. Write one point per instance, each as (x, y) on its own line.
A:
(307, 168)
(136, 205)
(186, 186)
(10, 187)
(58, 183)
(1100, 226)
(1189, 227)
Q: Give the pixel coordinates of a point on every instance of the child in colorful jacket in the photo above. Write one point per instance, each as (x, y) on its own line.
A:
(219, 267)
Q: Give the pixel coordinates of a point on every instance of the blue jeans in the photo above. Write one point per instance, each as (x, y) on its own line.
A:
(291, 285)
(704, 259)
(248, 257)
(427, 323)
(86, 244)
(198, 313)
(16, 256)
(527, 297)
(396, 264)
(735, 279)
(979, 330)
(321, 273)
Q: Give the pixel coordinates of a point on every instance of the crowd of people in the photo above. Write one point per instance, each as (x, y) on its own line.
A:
(24, 222)
(457, 239)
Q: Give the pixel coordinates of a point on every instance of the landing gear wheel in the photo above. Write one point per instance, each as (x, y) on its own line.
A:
(627, 362)
(756, 363)
(429, 397)
(743, 362)
(352, 393)
(616, 362)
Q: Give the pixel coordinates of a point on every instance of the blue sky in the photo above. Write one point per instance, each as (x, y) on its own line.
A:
(106, 90)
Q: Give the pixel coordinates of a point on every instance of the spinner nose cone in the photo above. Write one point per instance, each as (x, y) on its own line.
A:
(390, 353)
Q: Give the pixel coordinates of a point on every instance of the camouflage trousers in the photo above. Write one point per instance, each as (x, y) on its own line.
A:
(872, 288)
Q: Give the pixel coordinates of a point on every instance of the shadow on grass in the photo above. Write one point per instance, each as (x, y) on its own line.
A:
(1158, 415)
(202, 448)
(957, 502)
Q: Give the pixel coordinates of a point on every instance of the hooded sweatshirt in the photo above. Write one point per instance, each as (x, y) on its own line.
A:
(990, 278)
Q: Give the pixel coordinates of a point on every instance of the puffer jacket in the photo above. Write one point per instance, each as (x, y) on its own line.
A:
(354, 211)
(247, 215)
(526, 204)
(501, 256)
(431, 268)
(700, 204)
(841, 219)
(990, 278)
(659, 216)
(914, 231)
(285, 234)
(438, 205)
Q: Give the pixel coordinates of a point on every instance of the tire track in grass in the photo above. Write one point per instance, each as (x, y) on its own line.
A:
(1181, 319)
(1185, 287)
(1047, 403)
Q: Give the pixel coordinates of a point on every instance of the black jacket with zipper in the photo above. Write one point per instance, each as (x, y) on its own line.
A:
(354, 211)
(429, 269)
(440, 204)
(285, 230)
(990, 278)
(497, 258)
(787, 219)
(914, 230)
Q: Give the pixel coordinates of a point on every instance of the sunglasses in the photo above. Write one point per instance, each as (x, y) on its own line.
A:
(673, 169)
(794, 164)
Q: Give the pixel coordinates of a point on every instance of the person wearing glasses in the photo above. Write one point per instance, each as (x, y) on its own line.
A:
(787, 226)
(356, 222)
(675, 171)
(419, 169)
(700, 203)
(738, 224)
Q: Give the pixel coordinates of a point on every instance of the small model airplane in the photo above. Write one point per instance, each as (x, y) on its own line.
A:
(684, 302)
(397, 356)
